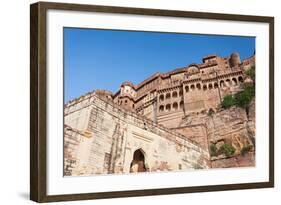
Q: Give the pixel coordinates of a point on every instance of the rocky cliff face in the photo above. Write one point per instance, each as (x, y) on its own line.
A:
(228, 134)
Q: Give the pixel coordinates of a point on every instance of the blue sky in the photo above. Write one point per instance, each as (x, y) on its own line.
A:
(103, 59)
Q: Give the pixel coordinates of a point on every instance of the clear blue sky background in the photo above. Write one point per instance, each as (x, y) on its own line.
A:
(103, 59)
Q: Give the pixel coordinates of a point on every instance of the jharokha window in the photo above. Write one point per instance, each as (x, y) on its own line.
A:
(175, 94)
(168, 96)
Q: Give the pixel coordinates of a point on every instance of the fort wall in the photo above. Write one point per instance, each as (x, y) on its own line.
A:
(112, 137)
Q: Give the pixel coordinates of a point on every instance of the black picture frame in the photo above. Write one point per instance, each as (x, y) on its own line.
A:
(38, 103)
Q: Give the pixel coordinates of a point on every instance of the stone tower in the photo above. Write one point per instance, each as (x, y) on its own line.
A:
(234, 60)
(127, 95)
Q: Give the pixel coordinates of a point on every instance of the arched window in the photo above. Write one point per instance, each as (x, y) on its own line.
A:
(228, 82)
(181, 104)
(175, 106)
(222, 84)
(240, 79)
(210, 86)
(180, 93)
(161, 108)
(174, 94)
(161, 98)
(216, 85)
(204, 87)
(168, 96)
(192, 87)
(168, 107)
(138, 162)
(186, 88)
(234, 81)
(198, 86)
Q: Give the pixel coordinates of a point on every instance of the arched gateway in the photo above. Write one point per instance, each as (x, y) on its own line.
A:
(138, 162)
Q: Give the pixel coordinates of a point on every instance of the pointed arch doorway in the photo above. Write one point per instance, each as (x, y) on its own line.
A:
(138, 162)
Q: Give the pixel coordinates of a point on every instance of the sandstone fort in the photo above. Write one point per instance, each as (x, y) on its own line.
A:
(169, 122)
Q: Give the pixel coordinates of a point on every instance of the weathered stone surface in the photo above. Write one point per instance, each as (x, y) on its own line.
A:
(237, 161)
(116, 134)
(232, 126)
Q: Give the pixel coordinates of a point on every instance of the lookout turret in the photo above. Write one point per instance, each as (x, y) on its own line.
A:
(127, 95)
(234, 60)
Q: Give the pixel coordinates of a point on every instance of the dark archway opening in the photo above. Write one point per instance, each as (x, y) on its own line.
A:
(138, 163)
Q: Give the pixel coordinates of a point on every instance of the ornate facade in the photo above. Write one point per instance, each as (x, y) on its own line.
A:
(167, 97)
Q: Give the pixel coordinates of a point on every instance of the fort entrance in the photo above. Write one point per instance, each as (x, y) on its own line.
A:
(138, 162)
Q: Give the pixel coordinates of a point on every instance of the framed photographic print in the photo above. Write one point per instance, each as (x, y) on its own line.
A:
(134, 102)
